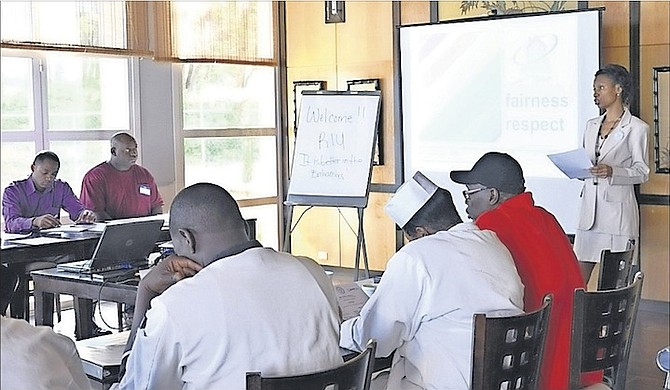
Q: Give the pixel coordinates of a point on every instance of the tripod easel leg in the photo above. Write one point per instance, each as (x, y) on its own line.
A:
(286, 246)
(360, 245)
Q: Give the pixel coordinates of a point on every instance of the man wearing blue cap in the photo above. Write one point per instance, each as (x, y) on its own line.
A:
(424, 304)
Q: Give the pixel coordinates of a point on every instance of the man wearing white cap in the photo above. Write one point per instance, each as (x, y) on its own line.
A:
(430, 290)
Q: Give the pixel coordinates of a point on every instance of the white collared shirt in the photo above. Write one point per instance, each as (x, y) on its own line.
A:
(424, 305)
(259, 310)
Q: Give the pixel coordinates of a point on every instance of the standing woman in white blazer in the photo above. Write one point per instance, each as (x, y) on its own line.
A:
(616, 142)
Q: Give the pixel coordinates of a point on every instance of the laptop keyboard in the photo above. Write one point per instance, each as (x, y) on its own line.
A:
(117, 267)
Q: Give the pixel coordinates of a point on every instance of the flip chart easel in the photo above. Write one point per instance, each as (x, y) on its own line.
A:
(332, 161)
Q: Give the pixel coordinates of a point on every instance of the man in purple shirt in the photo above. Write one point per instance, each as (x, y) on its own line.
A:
(35, 202)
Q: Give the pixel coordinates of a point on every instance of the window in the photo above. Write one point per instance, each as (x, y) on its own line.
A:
(228, 135)
(71, 101)
(65, 102)
(226, 127)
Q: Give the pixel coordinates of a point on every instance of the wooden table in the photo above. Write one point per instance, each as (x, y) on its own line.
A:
(83, 289)
(20, 257)
(76, 246)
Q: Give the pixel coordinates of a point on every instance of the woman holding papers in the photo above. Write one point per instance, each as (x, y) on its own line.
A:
(616, 142)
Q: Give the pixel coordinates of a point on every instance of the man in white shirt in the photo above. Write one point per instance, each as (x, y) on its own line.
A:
(36, 357)
(237, 306)
(424, 305)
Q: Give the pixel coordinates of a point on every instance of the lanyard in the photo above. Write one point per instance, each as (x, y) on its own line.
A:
(599, 143)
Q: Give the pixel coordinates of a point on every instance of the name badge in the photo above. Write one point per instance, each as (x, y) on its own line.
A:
(145, 190)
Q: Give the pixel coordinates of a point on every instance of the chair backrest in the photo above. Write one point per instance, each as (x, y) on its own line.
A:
(602, 331)
(615, 268)
(354, 374)
(507, 351)
(9, 283)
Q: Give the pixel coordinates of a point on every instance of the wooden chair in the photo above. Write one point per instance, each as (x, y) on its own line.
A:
(354, 374)
(507, 351)
(615, 268)
(602, 332)
(9, 283)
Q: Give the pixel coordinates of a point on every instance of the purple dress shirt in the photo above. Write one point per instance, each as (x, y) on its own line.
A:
(21, 202)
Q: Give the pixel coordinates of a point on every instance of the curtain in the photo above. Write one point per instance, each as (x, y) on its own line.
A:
(111, 27)
(233, 32)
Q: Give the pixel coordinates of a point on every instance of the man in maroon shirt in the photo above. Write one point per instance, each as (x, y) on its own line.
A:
(543, 255)
(119, 188)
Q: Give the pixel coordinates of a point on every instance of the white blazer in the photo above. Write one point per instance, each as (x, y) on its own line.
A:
(611, 202)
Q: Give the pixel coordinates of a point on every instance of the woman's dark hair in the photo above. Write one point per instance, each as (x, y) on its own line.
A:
(620, 76)
(46, 155)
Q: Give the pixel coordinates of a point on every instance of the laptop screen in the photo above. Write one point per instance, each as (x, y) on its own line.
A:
(126, 242)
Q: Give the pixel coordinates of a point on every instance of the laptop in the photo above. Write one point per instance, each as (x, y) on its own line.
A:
(122, 249)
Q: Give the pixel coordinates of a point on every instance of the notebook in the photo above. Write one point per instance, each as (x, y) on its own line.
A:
(122, 248)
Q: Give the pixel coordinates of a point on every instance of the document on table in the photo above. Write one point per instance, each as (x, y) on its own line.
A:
(39, 240)
(77, 228)
(351, 299)
(14, 236)
(96, 227)
(574, 163)
(66, 229)
(105, 351)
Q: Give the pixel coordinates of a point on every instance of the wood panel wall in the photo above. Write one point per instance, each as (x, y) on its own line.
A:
(362, 47)
(654, 219)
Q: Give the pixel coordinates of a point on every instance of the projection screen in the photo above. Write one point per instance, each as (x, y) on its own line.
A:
(520, 85)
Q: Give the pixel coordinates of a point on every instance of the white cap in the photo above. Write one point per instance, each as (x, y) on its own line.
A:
(410, 198)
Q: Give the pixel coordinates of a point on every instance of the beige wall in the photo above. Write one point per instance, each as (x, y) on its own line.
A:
(654, 220)
(362, 47)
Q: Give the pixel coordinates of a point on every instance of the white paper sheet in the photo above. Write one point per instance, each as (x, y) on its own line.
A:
(102, 351)
(351, 299)
(14, 236)
(66, 229)
(574, 164)
(40, 240)
(97, 227)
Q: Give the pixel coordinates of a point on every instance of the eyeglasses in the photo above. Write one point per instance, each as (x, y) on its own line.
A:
(468, 193)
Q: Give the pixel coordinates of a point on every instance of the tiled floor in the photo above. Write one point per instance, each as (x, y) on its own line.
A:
(652, 333)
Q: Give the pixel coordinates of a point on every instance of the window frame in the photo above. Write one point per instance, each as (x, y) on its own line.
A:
(182, 134)
(40, 135)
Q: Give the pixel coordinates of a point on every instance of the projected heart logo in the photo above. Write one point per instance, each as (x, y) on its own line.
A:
(129, 242)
